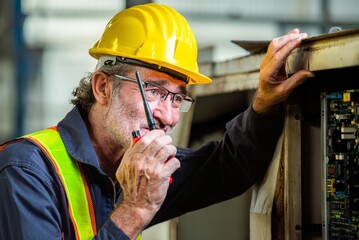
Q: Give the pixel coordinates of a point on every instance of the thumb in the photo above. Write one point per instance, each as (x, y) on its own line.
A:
(297, 79)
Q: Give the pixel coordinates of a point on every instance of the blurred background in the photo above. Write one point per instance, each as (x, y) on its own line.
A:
(44, 54)
(44, 43)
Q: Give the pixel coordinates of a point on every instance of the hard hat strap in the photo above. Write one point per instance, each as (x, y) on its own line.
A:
(155, 67)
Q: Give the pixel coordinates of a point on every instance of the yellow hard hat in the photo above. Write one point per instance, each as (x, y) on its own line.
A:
(155, 34)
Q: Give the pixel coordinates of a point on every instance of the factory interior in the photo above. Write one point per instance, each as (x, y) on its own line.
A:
(44, 54)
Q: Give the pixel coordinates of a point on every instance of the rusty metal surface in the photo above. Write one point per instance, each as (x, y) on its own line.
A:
(327, 51)
(324, 52)
(331, 35)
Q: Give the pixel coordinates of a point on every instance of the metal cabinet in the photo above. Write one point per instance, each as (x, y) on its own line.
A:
(300, 204)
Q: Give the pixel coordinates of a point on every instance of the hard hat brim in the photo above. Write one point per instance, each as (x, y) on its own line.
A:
(193, 77)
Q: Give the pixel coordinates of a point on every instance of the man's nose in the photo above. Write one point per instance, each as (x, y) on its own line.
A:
(165, 112)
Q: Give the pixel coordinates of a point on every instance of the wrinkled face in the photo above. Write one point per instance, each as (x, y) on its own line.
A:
(126, 111)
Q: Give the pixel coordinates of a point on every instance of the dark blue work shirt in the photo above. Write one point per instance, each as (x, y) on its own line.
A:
(33, 203)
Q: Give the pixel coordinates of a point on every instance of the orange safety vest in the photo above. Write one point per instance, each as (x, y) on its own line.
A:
(71, 175)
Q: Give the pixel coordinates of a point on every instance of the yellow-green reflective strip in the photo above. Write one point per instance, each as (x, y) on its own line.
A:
(70, 175)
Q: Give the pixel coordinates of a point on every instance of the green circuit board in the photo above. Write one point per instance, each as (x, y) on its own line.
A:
(342, 165)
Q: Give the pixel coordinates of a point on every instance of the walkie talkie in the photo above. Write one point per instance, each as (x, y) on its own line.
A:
(136, 135)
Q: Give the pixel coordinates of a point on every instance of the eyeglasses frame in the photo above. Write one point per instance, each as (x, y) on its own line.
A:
(146, 83)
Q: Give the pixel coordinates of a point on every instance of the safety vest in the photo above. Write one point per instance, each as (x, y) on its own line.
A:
(71, 175)
(73, 180)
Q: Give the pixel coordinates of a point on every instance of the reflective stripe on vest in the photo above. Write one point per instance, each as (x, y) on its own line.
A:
(80, 205)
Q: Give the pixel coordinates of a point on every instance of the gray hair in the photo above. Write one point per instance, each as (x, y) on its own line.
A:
(83, 94)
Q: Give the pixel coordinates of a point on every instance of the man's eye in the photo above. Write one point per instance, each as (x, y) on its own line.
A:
(178, 98)
(153, 91)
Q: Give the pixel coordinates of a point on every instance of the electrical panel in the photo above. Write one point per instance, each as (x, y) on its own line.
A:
(340, 125)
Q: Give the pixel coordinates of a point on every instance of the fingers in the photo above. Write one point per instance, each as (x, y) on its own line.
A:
(158, 173)
(154, 155)
(274, 86)
(294, 30)
(144, 173)
(272, 66)
(156, 144)
(292, 42)
(160, 160)
(296, 79)
(145, 170)
(281, 47)
(278, 43)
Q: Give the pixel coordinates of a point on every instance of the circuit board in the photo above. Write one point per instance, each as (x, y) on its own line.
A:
(342, 164)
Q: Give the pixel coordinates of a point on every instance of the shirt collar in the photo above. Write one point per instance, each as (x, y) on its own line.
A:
(76, 138)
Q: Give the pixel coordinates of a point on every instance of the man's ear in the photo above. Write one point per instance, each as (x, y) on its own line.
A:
(101, 88)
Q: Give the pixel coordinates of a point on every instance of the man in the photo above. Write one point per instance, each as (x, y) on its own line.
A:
(87, 178)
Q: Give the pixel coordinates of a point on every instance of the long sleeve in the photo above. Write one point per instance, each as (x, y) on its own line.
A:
(33, 202)
(224, 169)
(29, 204)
